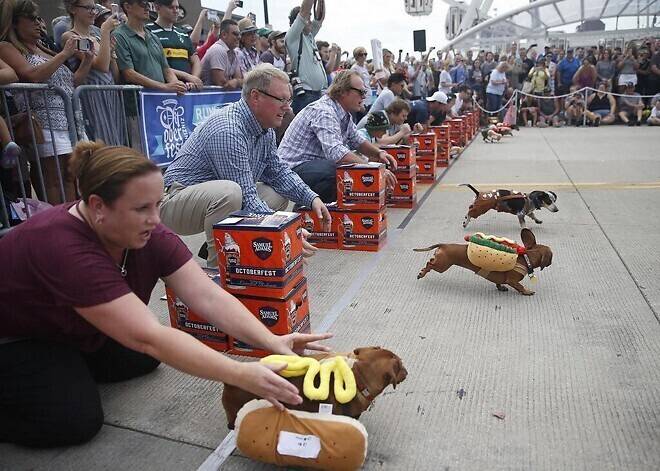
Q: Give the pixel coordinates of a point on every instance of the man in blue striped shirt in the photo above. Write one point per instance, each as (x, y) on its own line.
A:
(229, 163)
(323, 136)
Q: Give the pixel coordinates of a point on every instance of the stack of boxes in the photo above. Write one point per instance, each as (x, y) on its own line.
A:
(359, 220)
(456, 132)
(443, 144)
(426, 156)
(404, 194)
(260, 261)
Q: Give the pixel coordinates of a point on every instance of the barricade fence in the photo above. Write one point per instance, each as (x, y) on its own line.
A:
(46, 123)
(519, 93)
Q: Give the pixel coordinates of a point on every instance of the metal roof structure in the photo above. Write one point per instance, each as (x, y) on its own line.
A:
(538, 19)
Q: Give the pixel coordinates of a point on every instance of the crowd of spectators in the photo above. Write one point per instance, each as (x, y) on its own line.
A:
(142, 43)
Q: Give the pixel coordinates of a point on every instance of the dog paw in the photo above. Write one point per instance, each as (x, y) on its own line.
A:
(502, 288)
(538, 221)
(528, 293)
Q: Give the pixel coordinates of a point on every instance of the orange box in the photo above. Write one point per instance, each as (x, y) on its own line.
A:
(362, 230)
(182, 318)
(404, 195)
(406, 159)
(321, 239)
(361, 186)
(456, 132)
(280, 316)
(426, 170)
(259, 254)
(238, 347)
(426, 143)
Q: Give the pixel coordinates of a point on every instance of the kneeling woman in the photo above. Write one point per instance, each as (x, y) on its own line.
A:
(74, 310)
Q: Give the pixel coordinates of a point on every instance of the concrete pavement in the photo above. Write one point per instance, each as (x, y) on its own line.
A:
(573, 370)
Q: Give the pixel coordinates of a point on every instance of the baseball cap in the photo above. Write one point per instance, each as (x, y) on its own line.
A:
(570, 49)
(276, 34)
(264, 32)
(440, 97)
(246, 26)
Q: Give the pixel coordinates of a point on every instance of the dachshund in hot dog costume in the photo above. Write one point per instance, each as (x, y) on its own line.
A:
(496, 259)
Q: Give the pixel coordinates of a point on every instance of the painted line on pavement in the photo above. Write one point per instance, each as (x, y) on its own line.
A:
(543, 185)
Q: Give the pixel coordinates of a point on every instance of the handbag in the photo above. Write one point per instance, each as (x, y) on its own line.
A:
(23, 132)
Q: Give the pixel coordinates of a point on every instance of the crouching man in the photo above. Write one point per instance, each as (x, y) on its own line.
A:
(230, 163)
(322, 135)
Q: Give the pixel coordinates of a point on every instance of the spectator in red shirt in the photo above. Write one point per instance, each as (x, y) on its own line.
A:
(75, 309)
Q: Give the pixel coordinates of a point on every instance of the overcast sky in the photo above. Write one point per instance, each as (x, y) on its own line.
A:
(352, 23)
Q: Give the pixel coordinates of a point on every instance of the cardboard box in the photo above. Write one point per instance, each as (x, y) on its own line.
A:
(406, 159)
(259, 254)
(183, 318)
(361, 186)
(404, 195)
(426, 143)
(457, 132)
(318, 237)
(426, 170)
(238, 347)
(362, 230)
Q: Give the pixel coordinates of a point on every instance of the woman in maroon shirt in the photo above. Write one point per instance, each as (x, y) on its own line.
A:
(74, 310)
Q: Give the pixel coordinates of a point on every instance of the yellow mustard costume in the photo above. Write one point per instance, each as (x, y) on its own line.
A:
(345, 387)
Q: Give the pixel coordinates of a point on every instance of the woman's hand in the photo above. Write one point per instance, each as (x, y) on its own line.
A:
(109, 24)
(297, 343)
(262, 379)
(69, 48)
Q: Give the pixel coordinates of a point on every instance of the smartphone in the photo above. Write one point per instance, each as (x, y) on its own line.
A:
(212, 16)
(117, 12)
(83, 44)
(239, 3)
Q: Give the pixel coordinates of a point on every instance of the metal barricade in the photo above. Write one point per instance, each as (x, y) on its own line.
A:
(19, 181)
(120, 114)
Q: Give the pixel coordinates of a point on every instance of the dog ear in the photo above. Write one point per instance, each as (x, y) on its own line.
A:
(554, 196)
(527, 238)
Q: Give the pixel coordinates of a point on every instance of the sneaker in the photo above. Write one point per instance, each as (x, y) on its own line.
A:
(10, 154)
(630, 123)
(203, 251)
(597, 121)
(638, 123)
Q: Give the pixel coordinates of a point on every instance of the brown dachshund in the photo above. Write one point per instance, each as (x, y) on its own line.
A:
(374, 368)
(447, 255)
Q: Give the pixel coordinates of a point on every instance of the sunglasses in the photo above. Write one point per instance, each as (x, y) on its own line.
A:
(361, 91)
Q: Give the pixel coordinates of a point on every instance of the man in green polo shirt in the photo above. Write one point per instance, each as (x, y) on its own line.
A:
(140, 56)
(179, 51)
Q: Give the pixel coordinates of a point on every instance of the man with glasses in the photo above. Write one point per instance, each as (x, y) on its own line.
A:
(323, 136)
(300, 42)
(140, 56)
(221, 63)
(179, 51)
(230, 163)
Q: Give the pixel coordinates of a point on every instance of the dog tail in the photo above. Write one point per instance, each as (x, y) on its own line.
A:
(476, 192)
(428, 248)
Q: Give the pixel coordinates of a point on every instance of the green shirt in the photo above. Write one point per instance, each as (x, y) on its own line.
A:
(177, 46)
(145, 56)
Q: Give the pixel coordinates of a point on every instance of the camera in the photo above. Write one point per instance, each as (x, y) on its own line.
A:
(239, 3)
(296, 85)
(83, 44)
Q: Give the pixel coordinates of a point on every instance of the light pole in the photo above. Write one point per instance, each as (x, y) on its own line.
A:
(266, 12)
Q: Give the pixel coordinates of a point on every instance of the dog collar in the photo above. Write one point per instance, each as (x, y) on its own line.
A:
(362, 388)
(530, 270)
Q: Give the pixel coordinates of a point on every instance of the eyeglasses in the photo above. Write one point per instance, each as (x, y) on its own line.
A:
(281, 101)
(235, 33)
(361, 91)
(89, 8)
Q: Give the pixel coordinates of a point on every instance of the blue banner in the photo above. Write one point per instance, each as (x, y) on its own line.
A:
(168, 119)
